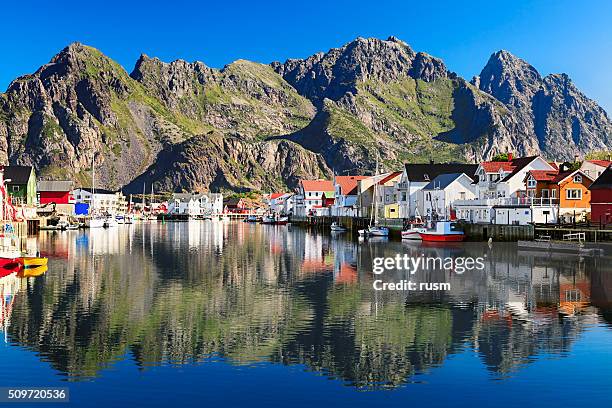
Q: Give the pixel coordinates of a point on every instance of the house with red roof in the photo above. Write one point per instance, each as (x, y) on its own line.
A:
(564, 190)
(314, 197)
(595, 168)
(279, 203)
(345, 195)
(502, 194)
(601, 198)
(386, 194)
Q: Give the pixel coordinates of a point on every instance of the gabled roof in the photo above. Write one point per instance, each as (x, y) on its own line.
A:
(496, 166)
(562, 176)
(54, 185)
(348, 184)
(98, 190)
(234, 201)
(274, 196)
(602, 163)
(428, 171)
(389, 177)
(519, 164)
(542, 175)
(17, 174)
(317, 185)
(604, 181)
(443, 181)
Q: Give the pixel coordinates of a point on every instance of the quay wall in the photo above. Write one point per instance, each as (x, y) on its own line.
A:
(473, 232)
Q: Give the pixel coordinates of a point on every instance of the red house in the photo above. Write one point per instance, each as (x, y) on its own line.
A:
(235, 205)
(57, 192)
(601, 198)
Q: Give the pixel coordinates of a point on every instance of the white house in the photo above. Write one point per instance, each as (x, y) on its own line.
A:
(436, 199)
(311, 196)
(100, 200)
(345, 195)
(277, 203)
(196, 204)
(417, 176)
(502, 194)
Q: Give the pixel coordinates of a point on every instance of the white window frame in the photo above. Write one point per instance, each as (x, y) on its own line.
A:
(577, 178)
(531, 182)
(570, 190)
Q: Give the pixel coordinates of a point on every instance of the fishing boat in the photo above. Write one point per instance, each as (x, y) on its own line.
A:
(413, 232)
(443, 231)
(251, 218)
(268, 219)
(282, 220)
(10, 255)
(337, 227)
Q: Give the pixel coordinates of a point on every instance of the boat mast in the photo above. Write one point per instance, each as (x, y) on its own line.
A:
(93, 184)
(376, 193)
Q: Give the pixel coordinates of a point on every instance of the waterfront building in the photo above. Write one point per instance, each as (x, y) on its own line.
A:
(100, 200)
(58, 193)
(416, 176)
(386, 194)
(601, 198)
(345, 195)
(277, 203)
(195, 204)
(436, 198)
(313, 197)
(20, 184)
(502, 194)
(595, 168)
(235, 205)
(565, 191)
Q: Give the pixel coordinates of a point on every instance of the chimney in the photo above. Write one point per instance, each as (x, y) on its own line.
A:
(510, 156)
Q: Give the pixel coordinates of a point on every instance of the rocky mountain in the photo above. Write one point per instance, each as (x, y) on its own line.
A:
(185, 126)
(555, 117)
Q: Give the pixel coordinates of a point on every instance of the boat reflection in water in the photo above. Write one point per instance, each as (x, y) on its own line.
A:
(184, 293)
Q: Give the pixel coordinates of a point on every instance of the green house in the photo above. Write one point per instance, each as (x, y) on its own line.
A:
(20, 184)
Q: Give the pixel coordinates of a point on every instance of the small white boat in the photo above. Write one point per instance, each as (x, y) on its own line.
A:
(337, 227)
(413, 232)
(374, 231)
(94, 222)
(110, 222)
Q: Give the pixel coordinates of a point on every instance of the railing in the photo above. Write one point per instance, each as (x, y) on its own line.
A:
(576, 236)
(510, 201)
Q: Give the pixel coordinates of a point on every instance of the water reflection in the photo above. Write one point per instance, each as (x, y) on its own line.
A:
(187, 292)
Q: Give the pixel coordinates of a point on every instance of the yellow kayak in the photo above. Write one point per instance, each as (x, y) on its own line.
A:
(33, 262)
(33, 271)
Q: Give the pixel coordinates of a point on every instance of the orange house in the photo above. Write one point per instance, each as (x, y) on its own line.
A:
(569, 190)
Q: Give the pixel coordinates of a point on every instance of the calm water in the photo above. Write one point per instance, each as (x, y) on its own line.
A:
(212, 313)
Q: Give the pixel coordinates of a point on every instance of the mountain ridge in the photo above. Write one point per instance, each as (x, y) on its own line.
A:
(265, 126)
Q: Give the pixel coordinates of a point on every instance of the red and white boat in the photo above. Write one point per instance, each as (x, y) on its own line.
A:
(413, 232)
(444, 231)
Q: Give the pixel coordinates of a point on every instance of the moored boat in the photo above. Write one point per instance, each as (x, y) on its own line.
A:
(281, 221)
(337, 227)
(443, 231)
(413, 232)
(374, 231)
(33, 261)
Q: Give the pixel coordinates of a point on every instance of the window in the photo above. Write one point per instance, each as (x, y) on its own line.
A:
(544, 193)
(462, 195)
(577, 178)
(573, 194)
(553, 193)
(531, 183)
(403, 196)
(15, 188)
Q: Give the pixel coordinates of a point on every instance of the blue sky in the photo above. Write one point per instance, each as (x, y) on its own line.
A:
(554, 36)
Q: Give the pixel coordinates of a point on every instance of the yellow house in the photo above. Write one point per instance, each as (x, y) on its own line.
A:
(392, 210)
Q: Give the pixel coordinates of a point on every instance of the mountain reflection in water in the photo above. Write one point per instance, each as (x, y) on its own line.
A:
(185, 293)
